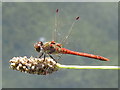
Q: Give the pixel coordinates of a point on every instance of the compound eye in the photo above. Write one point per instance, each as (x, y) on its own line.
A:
(38, 49)
(37, 46)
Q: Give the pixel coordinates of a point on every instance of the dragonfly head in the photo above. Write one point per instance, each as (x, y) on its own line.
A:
(38, 46)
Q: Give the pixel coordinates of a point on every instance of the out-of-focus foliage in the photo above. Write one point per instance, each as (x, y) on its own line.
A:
(95, 32)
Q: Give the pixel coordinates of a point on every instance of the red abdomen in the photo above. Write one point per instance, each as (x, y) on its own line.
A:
(66, 51)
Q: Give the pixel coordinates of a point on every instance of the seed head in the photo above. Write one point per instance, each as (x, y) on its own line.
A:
(33, 65)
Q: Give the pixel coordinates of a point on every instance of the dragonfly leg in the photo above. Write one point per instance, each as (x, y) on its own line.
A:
(44, 56)
(41, 54)
(52, 57)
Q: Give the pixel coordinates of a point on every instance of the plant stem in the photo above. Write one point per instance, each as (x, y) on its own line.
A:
(88, 67)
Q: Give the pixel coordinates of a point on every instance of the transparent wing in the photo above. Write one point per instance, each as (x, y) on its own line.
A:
(69, 32)
(55, 31)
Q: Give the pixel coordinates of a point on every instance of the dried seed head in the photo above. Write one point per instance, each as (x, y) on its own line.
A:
(34, 65)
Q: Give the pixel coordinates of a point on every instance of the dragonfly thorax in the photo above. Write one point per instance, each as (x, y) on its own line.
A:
(51, 47)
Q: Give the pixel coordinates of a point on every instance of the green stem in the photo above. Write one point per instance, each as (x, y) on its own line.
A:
(88, 67)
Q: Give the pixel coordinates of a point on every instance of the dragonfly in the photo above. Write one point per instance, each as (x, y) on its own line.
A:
(53, 48)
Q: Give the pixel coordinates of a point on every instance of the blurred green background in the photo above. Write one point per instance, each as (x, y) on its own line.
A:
(96, 32)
